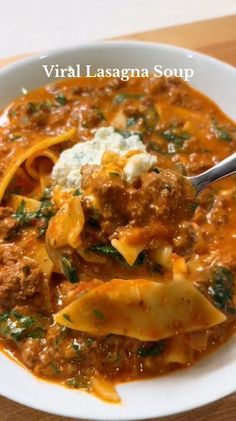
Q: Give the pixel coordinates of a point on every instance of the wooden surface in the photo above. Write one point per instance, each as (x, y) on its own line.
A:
(216, 37)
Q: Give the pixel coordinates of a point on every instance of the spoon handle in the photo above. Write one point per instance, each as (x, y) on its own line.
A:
(221, 170)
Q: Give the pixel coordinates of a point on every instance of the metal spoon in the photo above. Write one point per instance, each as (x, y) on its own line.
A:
(221, 170)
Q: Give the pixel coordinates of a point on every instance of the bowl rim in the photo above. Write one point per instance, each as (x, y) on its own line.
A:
(106, 43)
(150, 413)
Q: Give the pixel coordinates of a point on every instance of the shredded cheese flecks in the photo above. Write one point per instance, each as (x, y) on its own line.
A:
(67, 171)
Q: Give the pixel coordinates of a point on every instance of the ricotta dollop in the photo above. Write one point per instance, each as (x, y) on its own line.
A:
(66, 172)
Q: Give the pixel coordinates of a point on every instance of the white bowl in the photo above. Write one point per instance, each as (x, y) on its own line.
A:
(212, 378)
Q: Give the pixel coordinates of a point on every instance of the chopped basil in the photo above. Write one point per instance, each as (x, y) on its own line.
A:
(156, 170)
(37, 333)
(46, 195)
(178, 139)
(151, 118)
(61, 99)
(77, 192)
(98, 314)
(193, 206)
(69, 270)
(89, 342)
(43, 215)
(4, 316)
(118, 99)
(78, 382)
(131, 121)
(17, 326)
(32, 108)
(67, 317)
(220, 132)
(221, 288)
(153, 350)
(21, 214)
(26, 321)
(108, 250)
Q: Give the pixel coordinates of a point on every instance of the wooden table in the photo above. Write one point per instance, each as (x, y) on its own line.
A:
(216, 37)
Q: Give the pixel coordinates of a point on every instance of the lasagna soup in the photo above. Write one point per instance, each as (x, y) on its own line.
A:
(111, 269)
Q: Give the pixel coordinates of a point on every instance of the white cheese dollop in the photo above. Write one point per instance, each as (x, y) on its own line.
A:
(137, 165)
(66, 172)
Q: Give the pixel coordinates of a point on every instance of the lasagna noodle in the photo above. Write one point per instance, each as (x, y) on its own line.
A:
(23, 156)
(38, 250)
(33, 164)
(132, 241)
(66, 226)
(141, 309)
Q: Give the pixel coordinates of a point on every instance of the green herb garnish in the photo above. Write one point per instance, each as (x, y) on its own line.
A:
(220, 132)
(89, 342)
(69, 270)
(67, 317)
(98, 314)
(32, 108)
(46, 195)
(61, 99)
(131, 121)
(37, 333)
(43, 215)
(193, 206)
(17, 326)
(118, 99)
(152, 351)
(78, 382)
(108, 250)
(77, 192)
(178, 139)
(221, 288)
(151, 118)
